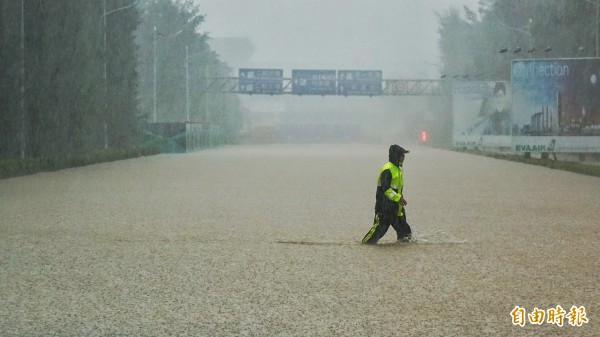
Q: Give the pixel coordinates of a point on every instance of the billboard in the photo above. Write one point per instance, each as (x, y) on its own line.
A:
(556, 97)
(359, 82)
(261, 81)
(481, 114)
(313, 82)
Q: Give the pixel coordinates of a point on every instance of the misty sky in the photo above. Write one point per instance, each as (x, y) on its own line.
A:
(399, 37)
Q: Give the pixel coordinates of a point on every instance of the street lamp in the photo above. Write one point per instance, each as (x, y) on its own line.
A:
(187, 85)
(105, 13)
(187, 79)
(163, 36)
(523, 30)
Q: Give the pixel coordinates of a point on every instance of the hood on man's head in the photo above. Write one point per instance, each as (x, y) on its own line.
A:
(395, 152)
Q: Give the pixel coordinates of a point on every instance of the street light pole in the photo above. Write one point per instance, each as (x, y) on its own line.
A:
(155, 98)
(208, 123)
(187, 79)
(206, 92)
(105, 77)
(22, 80)
(104, 26)
(154, 81)
(187, 85)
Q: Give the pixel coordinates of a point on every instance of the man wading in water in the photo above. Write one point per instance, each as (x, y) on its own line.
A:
(389, 202)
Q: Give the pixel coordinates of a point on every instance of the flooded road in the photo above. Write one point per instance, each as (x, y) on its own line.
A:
(265, 240)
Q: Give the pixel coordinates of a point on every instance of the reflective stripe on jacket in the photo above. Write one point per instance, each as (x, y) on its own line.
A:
(389, 190)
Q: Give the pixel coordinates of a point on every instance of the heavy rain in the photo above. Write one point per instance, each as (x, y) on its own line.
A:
(228, 167)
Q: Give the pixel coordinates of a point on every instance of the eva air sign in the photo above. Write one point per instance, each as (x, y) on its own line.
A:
(534, 144)
(531, 148)
(550, 144)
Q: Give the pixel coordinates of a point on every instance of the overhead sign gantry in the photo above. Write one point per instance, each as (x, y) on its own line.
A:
(267, 81)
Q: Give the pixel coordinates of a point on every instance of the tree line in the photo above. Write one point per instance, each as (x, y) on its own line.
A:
(83, 76)
(480, 44)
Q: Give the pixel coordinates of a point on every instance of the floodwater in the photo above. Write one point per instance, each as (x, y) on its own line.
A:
(264, 240)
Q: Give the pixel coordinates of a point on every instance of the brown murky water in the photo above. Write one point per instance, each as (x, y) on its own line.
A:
(264, 241)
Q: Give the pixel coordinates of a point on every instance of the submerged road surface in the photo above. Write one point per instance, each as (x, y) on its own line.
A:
(265, 241)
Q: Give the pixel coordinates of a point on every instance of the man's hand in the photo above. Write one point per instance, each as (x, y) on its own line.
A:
(403, 202)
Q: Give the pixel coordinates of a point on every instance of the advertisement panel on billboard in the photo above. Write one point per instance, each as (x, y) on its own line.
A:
(261, 81)
(481, 114)
(359, 82)
(313, 82)
(556, 97)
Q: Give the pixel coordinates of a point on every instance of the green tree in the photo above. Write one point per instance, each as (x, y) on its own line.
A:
(10, 83)
(83, 70)
(163, 52)
(166, 29)
(69, 107)
(124, 122)
(471, 44)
